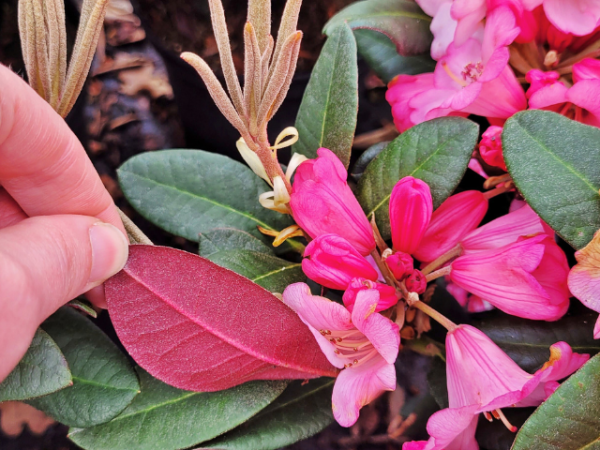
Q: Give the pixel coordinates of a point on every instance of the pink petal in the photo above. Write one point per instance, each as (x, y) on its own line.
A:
(387, 294)
(546, 96)
(562, 363)
(443, 27)
(414, 445)
(579, 17)
(411, 207)
(381, 331)
(357, 386)
(453, 429)
(585, 95)
(584, 278)
(586, 69)
(431, 7)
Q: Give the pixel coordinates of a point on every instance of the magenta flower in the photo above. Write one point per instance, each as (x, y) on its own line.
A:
(363, 343)
(411, 207)
(333, 262)
(483, 379)
(579, 17)
(387, 294)
(490, 147)
(322, 202)
(453, 220)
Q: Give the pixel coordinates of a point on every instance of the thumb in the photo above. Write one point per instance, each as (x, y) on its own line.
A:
(46, 261)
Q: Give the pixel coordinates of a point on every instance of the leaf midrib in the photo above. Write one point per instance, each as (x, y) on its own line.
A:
(105, 386)
(193, 195)
(276, 271)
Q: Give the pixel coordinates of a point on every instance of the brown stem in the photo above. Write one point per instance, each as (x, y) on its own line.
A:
(509, 186)
(135, 235)
(494, 181)
(439, 273)
(440, 318)
(453, 252)
(271, 164)
(385, 271)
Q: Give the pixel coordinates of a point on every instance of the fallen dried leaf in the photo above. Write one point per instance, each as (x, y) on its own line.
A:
(15, 415)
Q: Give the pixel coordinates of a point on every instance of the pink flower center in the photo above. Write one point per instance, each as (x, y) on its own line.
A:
(472, 72)
(351, 345)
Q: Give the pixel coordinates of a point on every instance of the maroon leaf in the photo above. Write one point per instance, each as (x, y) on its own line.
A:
(201, 327)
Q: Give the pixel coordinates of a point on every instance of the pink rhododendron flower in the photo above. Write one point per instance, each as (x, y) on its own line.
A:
(387, 294)
(411, 207)
(401, 264)
(490, 147)
(584, 278)
(333, 262)
(322, 202)
(578, 17)
(457, 216)
(483, 379)
(363, 343)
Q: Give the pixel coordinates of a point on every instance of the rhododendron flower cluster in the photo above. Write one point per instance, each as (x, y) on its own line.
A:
(512, 263)
(498, 57)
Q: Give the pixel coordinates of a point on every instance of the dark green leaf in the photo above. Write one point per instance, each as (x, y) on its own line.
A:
(528, 342)
(570, 418)
(298, 413)
(554, 163)
(270, 272)
(162, 417)
(380, 54)
(81, 304)
(401, 20)
(437, 152)
(224, 239)
(104, 382)
(365, 159)
(494, 435)
(188, 192)
(329, 108)
(42, 370)
(436, 378)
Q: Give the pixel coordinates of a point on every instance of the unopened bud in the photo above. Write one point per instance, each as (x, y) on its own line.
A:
(416, 282)
(401, 264)
(490, 147)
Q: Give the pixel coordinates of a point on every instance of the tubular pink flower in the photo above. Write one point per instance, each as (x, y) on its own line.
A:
(454, 219)
(490, 147)
(387, 294)
(333, 262)
(363, 342)
(504, 230)
(322, 202)
(504, 277)
(411, 207)
(401, 264)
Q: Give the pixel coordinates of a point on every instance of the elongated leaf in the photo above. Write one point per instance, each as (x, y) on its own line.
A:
(198, 326)
(300, 412)
(401, 20)
(270, 272)
(528, 342)
(570, 418)
(554, 163)
(188, 192)
(329, 108)
(224, 239)
(436, 151)
(162, 417)
(42, 370)
(381, 55)
(104, 382)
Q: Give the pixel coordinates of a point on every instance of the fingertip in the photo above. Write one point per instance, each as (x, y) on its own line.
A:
(110, 250)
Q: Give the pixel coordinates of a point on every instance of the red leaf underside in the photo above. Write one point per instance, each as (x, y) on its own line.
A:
(201, 327)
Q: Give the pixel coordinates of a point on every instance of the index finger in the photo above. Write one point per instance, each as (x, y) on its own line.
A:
(43, 166)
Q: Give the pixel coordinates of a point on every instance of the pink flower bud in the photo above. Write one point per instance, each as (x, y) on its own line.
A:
(401, 264)
(322, 202)
(387, 294)
(453, 220)
(333, 262)
(538, 80)
(411, 207)
(490, 147)
(416, 282)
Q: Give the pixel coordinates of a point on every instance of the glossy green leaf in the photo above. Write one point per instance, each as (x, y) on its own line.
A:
(554, 163)
(401, 20)
(365, 159)
(104, 382)
(380, 54)
(437, 152)
(81, 304)
(436, 378)
(528, 342)
(270, 272)
(329, 108)
(188, 192)
(225, 239)
(299, 413)
(41, 371)
(570, 418)
(162, 417)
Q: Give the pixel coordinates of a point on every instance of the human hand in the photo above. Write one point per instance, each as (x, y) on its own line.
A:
(60, 232)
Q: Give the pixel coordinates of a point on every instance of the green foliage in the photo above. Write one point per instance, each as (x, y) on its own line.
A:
(188, 192)
(270, 272)
(437, 152)
(162, 417)
(381, 55)
(570, 418)
(225, 239)
(300, 412)
(104, 382)
(554, 163)
(329, 108)
(41, 371)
